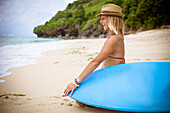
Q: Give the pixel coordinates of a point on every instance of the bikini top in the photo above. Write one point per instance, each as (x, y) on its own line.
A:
(117, 57)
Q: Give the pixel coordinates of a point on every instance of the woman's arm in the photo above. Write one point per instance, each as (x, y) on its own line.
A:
(104, 53)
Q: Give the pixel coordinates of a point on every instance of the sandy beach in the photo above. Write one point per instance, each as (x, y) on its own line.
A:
(38, 88)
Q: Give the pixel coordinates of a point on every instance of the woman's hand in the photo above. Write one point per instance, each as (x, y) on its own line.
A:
(71, 87)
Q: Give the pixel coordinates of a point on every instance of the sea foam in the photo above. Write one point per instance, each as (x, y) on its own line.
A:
(12, 56)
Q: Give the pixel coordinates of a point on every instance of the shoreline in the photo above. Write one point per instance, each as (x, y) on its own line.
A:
(39, 87)
(25, 54)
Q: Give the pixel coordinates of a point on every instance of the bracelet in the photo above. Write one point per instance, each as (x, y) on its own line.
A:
(76, 82)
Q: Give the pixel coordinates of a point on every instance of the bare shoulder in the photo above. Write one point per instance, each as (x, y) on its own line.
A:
(113, 38)
(116, 37)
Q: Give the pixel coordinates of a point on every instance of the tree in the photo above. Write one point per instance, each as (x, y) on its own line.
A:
(79, 15)
(130, 7)
(153, 13)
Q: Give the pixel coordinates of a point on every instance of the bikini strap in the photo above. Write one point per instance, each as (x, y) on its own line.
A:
(118, 58)
(110, 35)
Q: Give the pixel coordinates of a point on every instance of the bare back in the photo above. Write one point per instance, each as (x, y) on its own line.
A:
(118, 52)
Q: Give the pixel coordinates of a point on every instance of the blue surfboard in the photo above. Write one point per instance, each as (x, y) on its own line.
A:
(132, 87)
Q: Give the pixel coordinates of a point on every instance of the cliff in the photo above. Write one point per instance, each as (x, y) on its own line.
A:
(79, 20)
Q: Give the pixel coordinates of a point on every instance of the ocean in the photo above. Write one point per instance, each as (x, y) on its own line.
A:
(16, 51)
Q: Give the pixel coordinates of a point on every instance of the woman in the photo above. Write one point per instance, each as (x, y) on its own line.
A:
(113, 51)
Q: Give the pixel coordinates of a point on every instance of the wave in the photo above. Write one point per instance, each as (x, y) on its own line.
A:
(12, 56)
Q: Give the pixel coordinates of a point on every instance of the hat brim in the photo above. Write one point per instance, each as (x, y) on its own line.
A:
(110, 14)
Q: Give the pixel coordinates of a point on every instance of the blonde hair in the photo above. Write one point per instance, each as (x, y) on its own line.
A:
(116, 25)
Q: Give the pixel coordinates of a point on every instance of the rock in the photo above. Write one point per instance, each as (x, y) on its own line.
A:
(97, 32)
(61, 31)
(88, 32)
(102, 36)
(165, 27)
(93, 32)
(72, 33)
(63, 95)
(56, 32)
(92, 37)
(40, 33)
(6, 97)
(69, 104)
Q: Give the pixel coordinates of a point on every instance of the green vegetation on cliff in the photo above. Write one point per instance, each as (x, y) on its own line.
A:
(81, 15)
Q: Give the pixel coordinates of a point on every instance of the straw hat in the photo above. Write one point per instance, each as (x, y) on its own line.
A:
(111, 9)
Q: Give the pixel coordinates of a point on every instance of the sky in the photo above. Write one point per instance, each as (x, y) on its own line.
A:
(19, 17)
